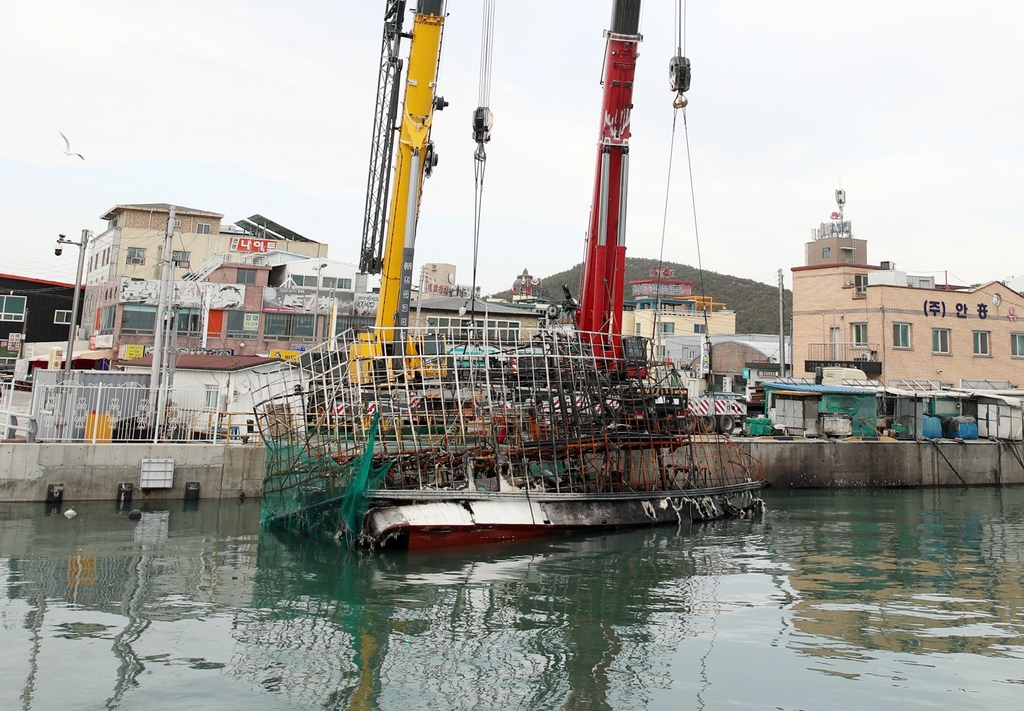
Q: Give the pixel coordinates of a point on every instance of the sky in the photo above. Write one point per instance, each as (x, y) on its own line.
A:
(260, 106)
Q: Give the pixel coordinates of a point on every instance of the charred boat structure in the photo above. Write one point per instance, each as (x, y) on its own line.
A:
(408, 434)
(477, 441)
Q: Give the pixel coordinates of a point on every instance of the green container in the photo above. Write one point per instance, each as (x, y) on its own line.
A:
(759, 426)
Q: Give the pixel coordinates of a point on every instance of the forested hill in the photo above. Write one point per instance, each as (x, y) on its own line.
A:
(756, 304)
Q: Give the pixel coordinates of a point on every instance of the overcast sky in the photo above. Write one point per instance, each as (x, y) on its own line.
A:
(260, 106)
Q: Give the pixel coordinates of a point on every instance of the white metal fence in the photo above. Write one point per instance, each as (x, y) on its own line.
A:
(128, 412)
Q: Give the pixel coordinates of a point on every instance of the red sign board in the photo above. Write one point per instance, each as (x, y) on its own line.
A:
(247, 244)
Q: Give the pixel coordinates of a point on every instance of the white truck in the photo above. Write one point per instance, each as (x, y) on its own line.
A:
(720, 412)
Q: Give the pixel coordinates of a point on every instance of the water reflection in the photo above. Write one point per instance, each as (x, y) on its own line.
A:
(197, 607)
(554, 622)
(937, 571)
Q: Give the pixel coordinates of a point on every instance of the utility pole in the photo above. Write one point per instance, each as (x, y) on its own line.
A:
(161, 309)
(82, 246)
(316, 302)
(160, 340)
(65, 377)
(419, 298)
(782, 330)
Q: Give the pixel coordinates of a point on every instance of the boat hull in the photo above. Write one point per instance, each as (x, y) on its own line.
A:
(470, 520)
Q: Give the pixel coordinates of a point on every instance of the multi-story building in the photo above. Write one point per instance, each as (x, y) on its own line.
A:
(672, 305)
(897, 326)
(32, 311)
(221, 276)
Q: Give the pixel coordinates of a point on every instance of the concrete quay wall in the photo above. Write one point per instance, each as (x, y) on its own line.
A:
(91, 472)
(822, 463)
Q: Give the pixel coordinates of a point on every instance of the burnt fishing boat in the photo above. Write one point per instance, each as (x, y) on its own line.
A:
(470, 445)
(421, 435)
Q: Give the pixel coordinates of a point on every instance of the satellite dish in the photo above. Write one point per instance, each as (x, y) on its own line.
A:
(451, 277)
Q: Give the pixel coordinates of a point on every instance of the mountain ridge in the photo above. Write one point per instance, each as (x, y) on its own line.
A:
(756, 304)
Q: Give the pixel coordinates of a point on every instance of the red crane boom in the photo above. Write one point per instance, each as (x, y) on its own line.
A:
(600, 311)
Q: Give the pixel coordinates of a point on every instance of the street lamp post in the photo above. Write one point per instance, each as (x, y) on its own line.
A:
(86, 235)
(316, 303)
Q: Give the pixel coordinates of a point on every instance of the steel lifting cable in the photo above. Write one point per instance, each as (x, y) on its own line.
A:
(681, 82)
(664, 223)
(679, 73)
(481, 134)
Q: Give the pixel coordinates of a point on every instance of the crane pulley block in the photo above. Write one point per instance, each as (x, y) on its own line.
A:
(482, 121)
(679, 74)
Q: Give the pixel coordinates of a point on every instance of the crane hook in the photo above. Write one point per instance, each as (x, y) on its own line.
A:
(680, 101)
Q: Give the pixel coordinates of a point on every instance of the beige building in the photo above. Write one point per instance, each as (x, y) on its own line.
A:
(222, 296)
(133, 243)
(677, 311)
(897, 326)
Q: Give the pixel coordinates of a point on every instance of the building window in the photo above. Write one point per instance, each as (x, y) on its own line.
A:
(203, 228)
(105, 319)
(299, 280)
(62, 316)
(12, 308)
(860, 283)
(288, 325)
(699, 328)
(901, 335)
(860, 334)
(189, 320)
(667, 328)
(212, 397)
(826, 252)
(136, 318)
(329, 283)
(181, 259)
(637, 329)
(243, 324)
(940, 340)
(344, 283)
(134, 255)
(1017, 344)
(458, 329)
(981, 343)
(245, 276)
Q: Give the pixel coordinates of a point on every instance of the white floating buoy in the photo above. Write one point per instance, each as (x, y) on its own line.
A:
(70, 513)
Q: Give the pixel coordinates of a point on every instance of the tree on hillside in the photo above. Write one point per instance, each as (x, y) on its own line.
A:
(755, 304)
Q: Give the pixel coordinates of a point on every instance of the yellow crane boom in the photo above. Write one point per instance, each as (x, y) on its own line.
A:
(414, 159)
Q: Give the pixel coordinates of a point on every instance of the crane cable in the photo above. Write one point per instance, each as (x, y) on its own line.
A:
(482, 119)
(680, 105)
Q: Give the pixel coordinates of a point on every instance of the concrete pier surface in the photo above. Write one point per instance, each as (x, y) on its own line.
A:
(92, 472)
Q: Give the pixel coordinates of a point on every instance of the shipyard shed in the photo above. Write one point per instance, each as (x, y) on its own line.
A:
(823, 410)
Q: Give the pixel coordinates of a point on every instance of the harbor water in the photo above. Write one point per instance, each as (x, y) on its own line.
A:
(910, 599)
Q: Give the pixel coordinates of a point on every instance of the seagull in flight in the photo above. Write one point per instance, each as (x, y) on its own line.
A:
(67, 147)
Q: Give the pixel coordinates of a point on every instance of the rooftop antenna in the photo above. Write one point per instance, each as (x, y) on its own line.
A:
(840, 202)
